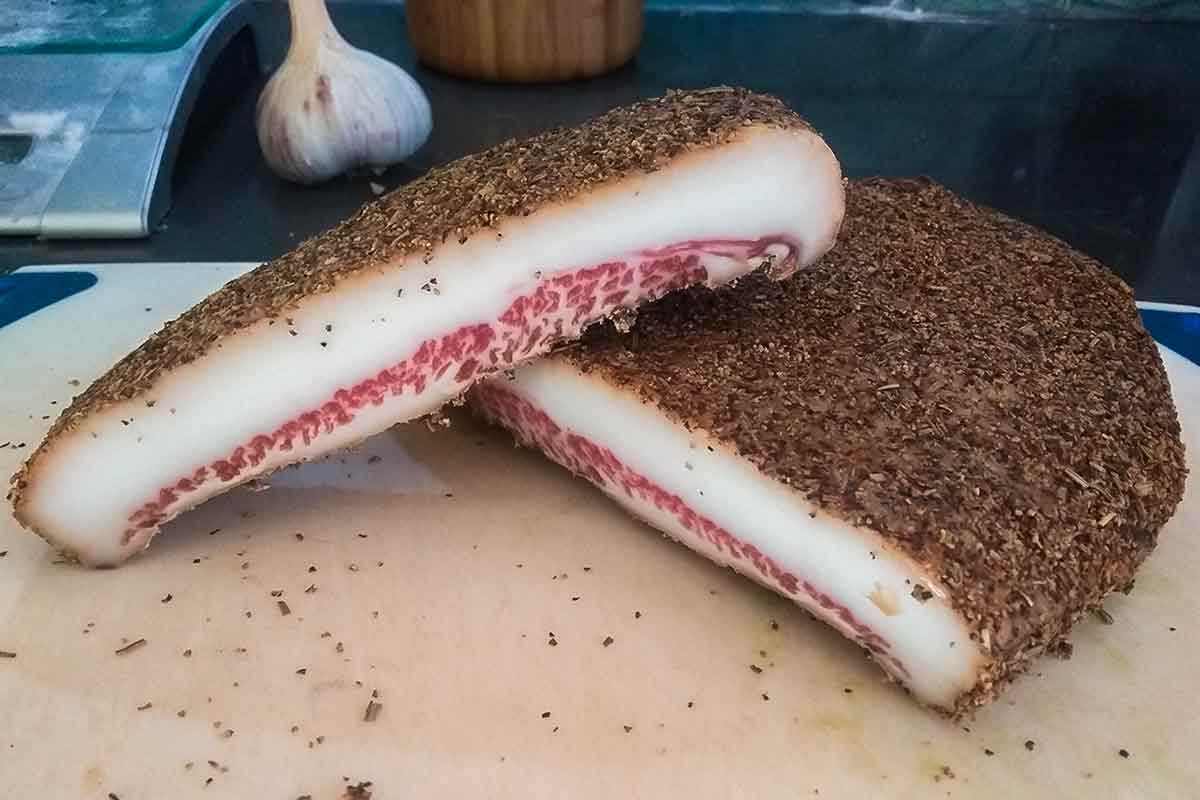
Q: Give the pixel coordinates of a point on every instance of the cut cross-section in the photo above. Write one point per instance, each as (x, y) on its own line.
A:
(471, 269)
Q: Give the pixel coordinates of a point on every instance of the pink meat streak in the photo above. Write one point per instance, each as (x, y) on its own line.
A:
(534, 427)
(559, 307)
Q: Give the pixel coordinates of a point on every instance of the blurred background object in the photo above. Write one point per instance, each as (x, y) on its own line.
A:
(525, 41)
(95, 98)
(331, 107)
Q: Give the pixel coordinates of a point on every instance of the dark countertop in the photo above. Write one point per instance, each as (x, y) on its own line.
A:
(1089, 129)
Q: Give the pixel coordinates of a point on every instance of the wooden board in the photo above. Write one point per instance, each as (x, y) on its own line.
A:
(441, 566)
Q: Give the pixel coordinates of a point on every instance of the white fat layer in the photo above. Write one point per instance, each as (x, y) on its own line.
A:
(850, 564)
(766, 183)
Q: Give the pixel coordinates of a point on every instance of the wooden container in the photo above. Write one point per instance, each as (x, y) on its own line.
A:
(525, 41)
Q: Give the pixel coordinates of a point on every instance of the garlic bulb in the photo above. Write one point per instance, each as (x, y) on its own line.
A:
(331, 106)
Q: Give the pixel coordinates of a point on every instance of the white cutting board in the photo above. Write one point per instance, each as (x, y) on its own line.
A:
(453, 628)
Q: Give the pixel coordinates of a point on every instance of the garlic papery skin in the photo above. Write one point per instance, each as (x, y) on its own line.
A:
(331, 106)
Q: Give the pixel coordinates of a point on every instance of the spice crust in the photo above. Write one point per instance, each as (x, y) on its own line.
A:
(974, 390)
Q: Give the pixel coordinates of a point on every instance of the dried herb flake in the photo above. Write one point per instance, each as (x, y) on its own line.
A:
(135, 644)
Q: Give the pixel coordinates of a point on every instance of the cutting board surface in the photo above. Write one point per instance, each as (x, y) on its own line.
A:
(435, 569)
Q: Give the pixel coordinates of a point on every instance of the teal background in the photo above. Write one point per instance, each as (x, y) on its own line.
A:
(997, 9)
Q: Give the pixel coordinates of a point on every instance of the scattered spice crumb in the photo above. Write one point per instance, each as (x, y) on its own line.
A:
(302, 671)
(1030, 744)
(637, 615)
(756, 669)
(168, 598)
(545, 715)
(339, 647)
(691, 703)
(312, 587)
(145, 706)
(189, 765)
(627, 728)
(372, 711)
(988, 752)
(553, 642)
(360, 791)
(299, 537)
(227, 733)
(135, 644)
(284, 608)
(848, 690)
(1123, 753)
(7, 654)
(208, 781)
(949, 773)
(1061, 649)
(312, 568)
(765, 697)
(187, 653)
(113, 796)
(181, 713)
(587, 569)
(607, 641)
(1103, 615)
(277, 593)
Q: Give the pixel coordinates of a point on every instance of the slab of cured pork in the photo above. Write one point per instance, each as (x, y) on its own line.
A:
(949, 439)
(473, 268)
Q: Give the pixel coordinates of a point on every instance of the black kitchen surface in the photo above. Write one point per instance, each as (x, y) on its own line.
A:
(1090, 129)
